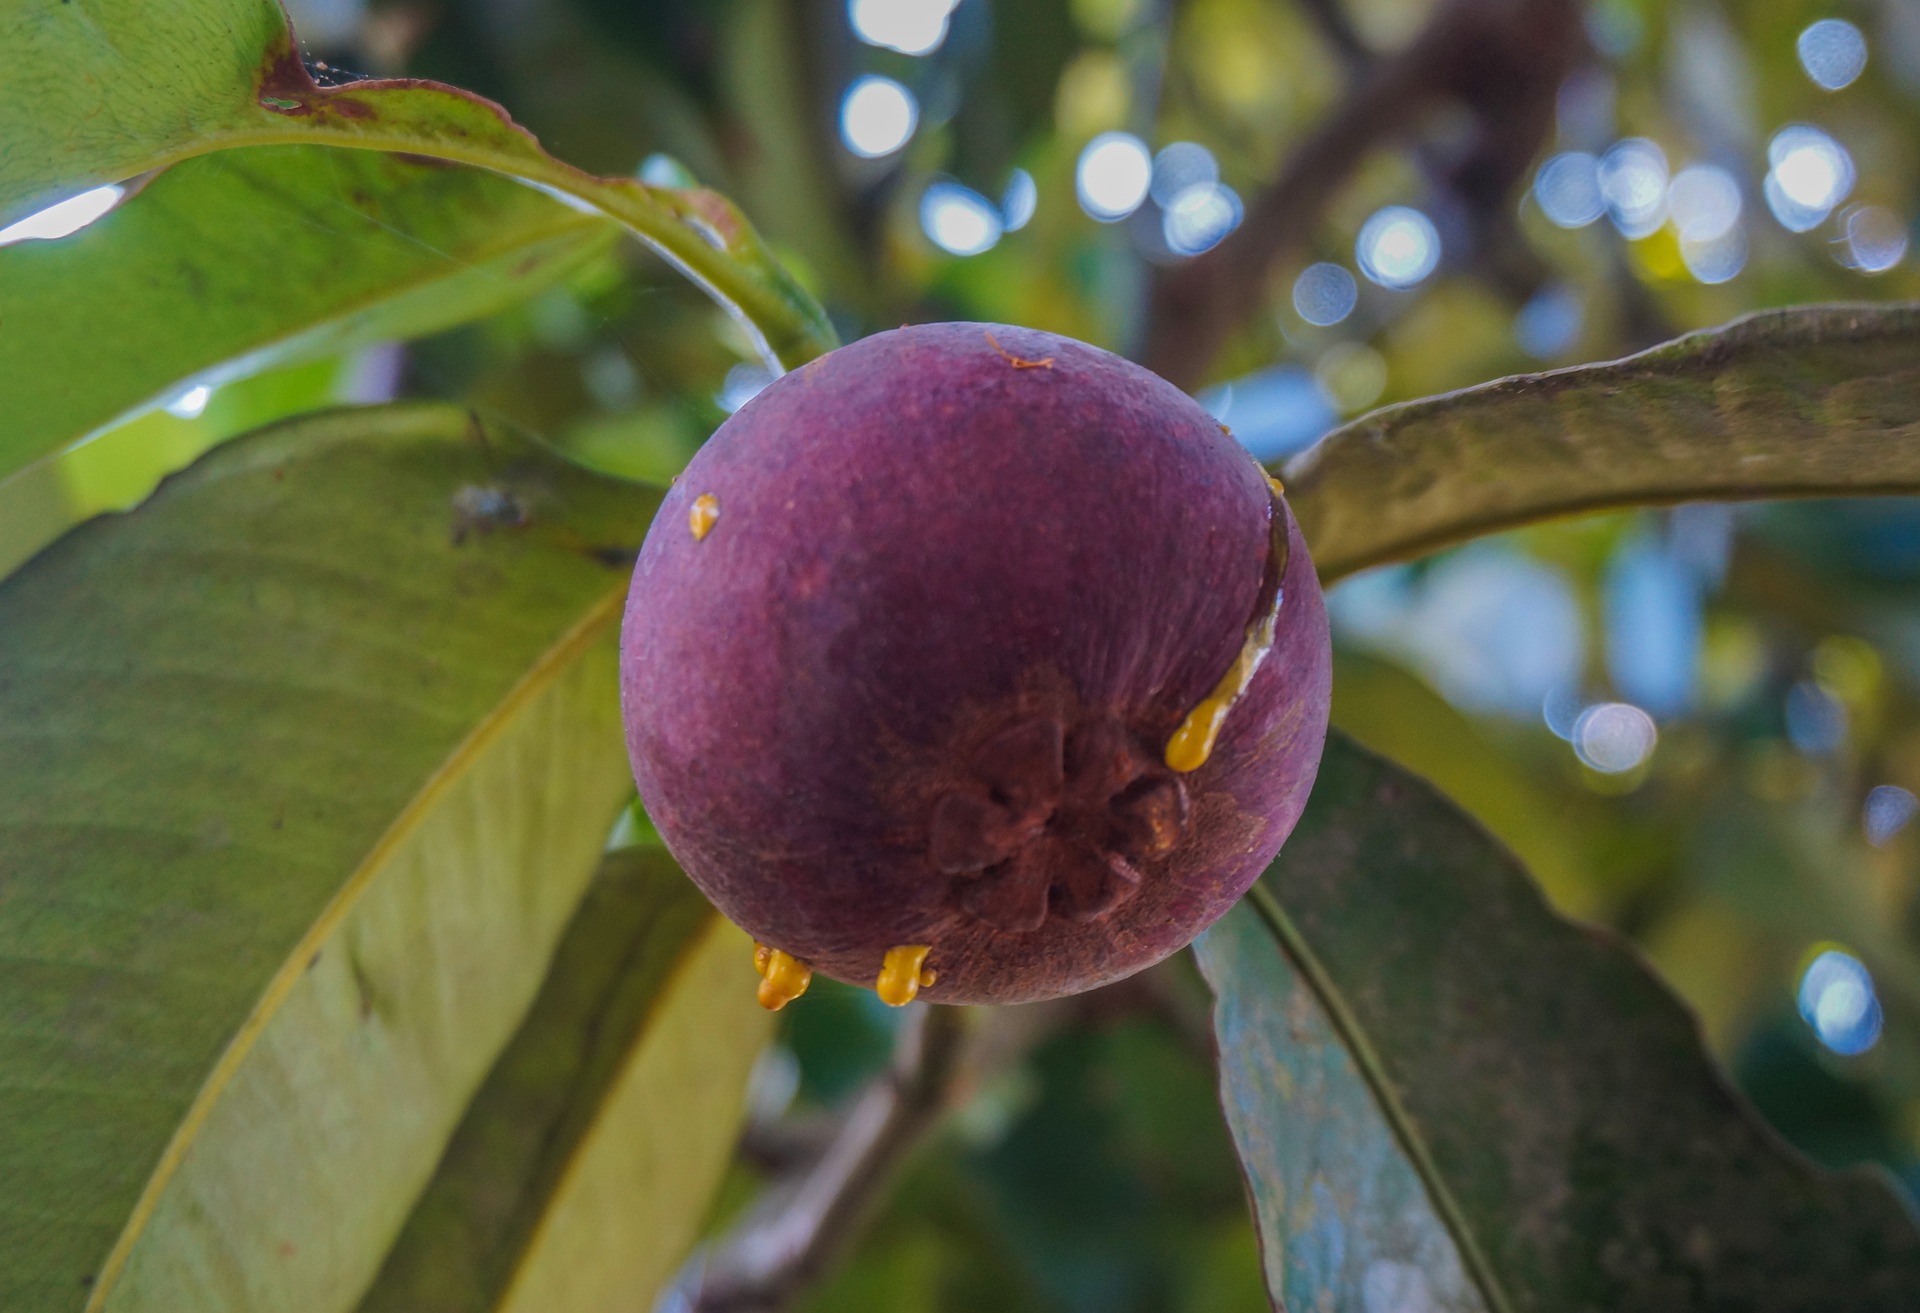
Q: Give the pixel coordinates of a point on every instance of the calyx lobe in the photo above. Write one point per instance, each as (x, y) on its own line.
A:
(1055, 823)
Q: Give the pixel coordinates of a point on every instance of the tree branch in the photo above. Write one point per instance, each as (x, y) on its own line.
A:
(834, 1169)
(1502, 59)
(1336, 28)
(788, 1241)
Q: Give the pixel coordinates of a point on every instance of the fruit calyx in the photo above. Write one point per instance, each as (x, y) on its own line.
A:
(1056, 823)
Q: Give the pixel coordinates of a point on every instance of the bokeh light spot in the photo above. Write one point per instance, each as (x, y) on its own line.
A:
(1199, 217)
(1272, 413)
(1809, 174)
(1112, 176)
(1816, 722)
(959, 220)
(1633, 181)
(1838, 1000)
(1179, 166)
(1886, 812)
(1833, 51)
(1495, 631)
(1567, 189)
(1614, 737)
(1548, 325)
(1704, 200)
(743, 383)
(1397, 247)
(913, 27)
(1717, 259)
(1324, 294)
(1876, 239)
(1352, 375)
(1019, 201)
(877, 117)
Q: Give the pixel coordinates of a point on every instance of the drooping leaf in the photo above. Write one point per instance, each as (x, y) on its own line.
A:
(578, 1178)
(1811, 402)
(304, 765)
(229, 263)
(103, 91)
(1446, 1097)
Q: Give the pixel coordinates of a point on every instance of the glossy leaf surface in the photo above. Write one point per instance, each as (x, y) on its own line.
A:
(579, 1176)
(306, 764)
(1446, 1097)
(1820, 401)
(149, 90)
(230, 263)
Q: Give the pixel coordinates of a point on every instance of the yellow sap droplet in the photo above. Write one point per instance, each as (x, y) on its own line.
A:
(1279, 488)
(706, 509)
(901, 975)
(783, 977)
(1192, 743)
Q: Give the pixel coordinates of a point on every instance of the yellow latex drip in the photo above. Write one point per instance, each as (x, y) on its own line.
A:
(783, 977)
(902, 974)
(706, 510)
(1193, 742)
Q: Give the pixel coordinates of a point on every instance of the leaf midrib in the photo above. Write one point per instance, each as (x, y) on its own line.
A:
(1373, 1072)
(677, 240)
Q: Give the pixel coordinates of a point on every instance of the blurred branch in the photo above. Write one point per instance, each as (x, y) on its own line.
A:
(836, 1169)
(788, 1242)
(1502, 60)
(1336, 28)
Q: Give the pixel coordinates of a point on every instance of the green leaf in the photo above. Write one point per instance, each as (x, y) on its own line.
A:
(230, 263)
(103, 91)
(1819, 401)
(580, 1174)
(304, 765)
(1447, 1097)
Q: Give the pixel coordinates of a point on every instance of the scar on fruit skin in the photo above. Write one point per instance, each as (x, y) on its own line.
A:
(903, 974)
(1193, 742)
(783, 977)
(1017, 362)
(701, 517)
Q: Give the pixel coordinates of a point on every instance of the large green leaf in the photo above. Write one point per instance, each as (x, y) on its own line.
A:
(225, 264)
(101, 91)
(1448, 1098)
(304, 766)
(579, 1176)
(1813, 402)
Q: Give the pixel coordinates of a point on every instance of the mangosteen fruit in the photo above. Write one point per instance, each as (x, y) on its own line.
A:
(974, 663)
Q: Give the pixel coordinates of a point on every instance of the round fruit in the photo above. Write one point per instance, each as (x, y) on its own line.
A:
(926, 656)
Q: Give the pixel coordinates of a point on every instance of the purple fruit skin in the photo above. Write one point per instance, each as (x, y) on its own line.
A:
(919, 541)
